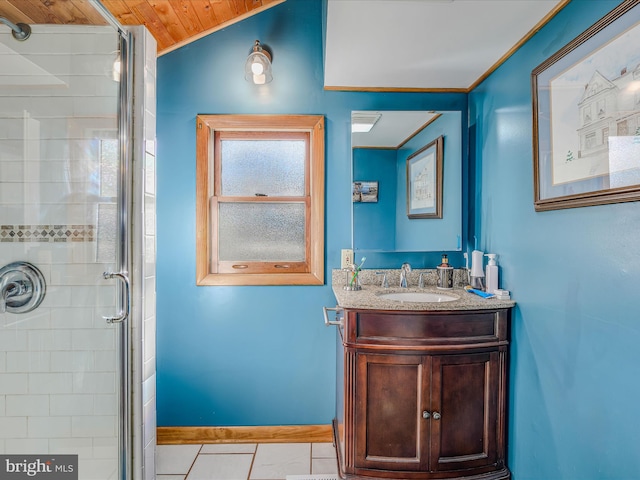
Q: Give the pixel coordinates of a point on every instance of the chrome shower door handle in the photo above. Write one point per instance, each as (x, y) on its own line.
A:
(124, 311)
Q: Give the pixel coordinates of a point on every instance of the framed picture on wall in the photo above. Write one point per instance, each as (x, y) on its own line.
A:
(366, 192)
(586, 116)
(424, 181)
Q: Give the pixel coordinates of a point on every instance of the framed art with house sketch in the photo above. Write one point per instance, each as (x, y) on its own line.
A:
(586, 116)
(424, 181)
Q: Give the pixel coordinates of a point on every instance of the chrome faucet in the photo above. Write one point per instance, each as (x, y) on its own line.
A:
(22, 287)
(404, 269)
(13, 289)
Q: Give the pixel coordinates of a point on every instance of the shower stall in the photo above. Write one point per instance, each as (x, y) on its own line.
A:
(77, 249)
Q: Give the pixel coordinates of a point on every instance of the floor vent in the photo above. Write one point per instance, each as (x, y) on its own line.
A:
(314, 477)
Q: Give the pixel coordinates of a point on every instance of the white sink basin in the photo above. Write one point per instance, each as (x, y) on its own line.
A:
(418, 297)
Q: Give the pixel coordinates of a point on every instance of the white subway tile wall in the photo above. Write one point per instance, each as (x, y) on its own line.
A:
(58, 380)
(144, 256)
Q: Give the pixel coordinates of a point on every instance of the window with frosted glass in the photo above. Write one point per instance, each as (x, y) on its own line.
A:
(260, 199)
(263, 167)
(261, 232)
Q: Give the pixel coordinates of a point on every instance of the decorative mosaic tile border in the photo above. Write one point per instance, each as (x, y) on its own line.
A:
(47, 233)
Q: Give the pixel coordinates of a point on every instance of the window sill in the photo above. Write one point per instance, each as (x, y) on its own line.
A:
(261, 279)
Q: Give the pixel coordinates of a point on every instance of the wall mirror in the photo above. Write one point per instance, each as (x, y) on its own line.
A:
(381, 142)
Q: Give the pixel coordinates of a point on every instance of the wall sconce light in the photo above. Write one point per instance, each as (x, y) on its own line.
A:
(363, 123)
(257, 68)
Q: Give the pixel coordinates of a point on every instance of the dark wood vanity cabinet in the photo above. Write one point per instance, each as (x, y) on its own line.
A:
(422, 395)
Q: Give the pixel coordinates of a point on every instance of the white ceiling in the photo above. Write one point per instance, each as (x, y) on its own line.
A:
(392, 129)
(423, 44)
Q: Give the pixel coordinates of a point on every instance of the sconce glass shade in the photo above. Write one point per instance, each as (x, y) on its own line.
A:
(257, 68)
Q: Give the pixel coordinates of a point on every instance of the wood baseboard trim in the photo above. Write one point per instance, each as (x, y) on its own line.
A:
(257, 434)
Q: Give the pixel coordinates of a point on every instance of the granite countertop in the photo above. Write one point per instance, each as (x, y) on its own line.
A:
(369, 297)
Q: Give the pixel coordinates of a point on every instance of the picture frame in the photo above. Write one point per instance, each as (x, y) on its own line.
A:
(424, 181)
(365, 192)
(586, 116)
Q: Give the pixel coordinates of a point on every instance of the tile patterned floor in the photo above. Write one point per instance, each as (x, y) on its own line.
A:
(263, 461)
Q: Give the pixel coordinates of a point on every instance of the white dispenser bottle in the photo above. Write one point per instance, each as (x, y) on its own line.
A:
(492, 273)
(477, 272)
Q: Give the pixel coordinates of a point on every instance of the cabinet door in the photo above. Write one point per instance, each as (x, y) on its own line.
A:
(389, 404)
(464, 411)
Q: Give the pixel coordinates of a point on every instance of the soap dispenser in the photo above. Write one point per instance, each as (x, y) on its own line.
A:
(445, 274)
(477, 272)
(492, 273)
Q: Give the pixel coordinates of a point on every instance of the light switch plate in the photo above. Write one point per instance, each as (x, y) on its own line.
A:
(346, 258)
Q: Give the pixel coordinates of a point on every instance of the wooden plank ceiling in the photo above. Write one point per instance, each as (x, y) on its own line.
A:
(173, 23)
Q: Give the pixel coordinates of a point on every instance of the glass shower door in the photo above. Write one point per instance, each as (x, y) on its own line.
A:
(61, 364)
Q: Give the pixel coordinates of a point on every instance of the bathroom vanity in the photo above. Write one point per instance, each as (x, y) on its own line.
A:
(422, 387)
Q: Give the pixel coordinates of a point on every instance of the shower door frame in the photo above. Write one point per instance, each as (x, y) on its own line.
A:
(123, 259)
(123, 262)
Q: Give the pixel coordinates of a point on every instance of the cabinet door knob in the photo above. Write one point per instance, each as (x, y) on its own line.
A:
(426, 414)
(436, 416)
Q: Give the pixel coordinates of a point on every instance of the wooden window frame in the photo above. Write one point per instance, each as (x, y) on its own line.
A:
(310, 272)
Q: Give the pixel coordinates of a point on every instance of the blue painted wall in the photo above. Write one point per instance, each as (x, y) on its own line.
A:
(575, 361)
(374, 225)
(445, 233)
(260, 355)
(253, 355)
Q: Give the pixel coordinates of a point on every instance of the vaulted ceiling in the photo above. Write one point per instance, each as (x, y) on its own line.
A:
(173, 23)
